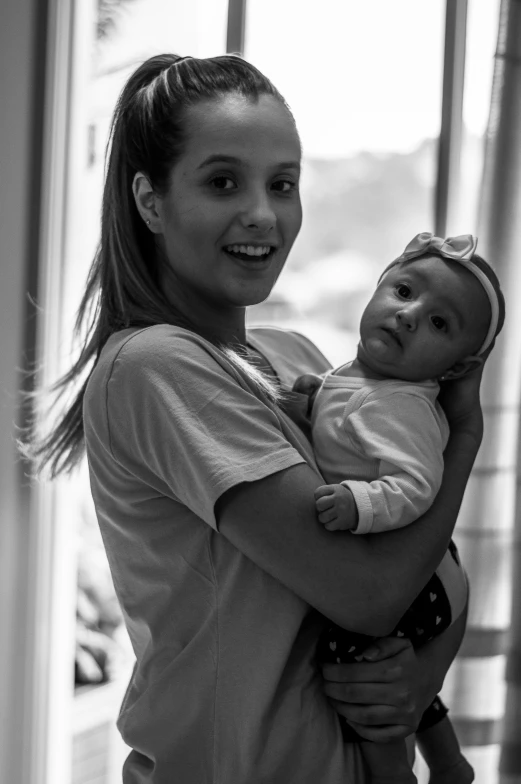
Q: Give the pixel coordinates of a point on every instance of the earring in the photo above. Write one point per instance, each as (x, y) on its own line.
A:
(148, 222)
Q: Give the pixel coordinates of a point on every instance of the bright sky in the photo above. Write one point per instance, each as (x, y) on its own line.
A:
(358, 74)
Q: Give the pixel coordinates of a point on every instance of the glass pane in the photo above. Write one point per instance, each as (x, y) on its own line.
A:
(364, 82)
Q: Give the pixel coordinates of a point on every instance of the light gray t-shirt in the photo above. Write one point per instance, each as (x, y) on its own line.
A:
(225, 688)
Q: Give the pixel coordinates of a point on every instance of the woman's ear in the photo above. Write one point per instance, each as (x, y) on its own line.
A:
(461, 368)
(146, 202)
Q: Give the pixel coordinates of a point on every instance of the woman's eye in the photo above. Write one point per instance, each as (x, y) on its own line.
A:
(403, 291)
(222, 183)
(284, 186)
(439, 323)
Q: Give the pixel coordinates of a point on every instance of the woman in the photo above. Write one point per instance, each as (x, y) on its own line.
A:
(204, 488)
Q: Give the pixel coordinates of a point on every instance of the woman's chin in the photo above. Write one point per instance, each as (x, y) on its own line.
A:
(252, 294)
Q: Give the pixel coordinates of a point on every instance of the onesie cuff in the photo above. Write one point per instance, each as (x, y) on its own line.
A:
(363, 504)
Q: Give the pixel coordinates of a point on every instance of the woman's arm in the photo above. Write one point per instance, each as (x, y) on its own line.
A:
(361, 583)
(385, 698)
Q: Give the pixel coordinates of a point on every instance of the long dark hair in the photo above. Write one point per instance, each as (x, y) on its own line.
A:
(123, 287)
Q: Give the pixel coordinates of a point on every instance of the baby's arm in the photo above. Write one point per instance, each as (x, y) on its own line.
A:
(335, 504)
(401, 431)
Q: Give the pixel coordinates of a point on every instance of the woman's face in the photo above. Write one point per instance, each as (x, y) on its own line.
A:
(233, 208)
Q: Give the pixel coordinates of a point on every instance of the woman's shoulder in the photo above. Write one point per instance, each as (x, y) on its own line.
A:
(290, 353)
(137, 356)
(154, 341)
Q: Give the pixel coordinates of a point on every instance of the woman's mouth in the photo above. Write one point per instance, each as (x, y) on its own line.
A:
(251, 253)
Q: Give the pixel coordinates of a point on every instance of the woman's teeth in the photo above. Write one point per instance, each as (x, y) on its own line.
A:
(249, 250)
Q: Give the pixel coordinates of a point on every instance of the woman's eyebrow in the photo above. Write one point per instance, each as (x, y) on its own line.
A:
(221, 158)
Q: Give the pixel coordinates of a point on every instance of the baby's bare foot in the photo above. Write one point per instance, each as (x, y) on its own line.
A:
(461, 772)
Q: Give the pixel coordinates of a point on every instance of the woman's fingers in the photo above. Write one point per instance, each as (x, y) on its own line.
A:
(386, 648)
(368, 694)
(379, 692)
(376, 718)
(382, 734)
(363, 672)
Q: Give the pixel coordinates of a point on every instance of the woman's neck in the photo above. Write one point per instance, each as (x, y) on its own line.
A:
(221, 325)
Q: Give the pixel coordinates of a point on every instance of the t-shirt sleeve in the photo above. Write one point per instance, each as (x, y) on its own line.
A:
(403, 433)
(179, 422)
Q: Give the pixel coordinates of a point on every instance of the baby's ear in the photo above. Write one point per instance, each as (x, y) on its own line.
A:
(461, 368)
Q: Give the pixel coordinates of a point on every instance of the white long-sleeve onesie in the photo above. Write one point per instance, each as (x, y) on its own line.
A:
(388, 437)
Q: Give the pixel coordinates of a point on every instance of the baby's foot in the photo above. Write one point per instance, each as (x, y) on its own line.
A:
(460, 772)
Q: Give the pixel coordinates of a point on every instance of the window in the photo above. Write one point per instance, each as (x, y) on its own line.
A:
(364, 82)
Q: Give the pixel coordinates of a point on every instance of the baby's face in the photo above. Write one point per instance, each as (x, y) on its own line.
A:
(423, 319)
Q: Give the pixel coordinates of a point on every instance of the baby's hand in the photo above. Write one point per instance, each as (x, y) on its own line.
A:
(336, 507)
(308, 384)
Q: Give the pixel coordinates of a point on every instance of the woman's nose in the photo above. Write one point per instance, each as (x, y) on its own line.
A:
(259, 214)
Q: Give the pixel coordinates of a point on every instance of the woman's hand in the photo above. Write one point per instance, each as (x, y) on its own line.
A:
(378, 695)
(459, 399)
(384, 698)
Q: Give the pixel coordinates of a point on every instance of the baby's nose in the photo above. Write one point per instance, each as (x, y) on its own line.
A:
(407, 318)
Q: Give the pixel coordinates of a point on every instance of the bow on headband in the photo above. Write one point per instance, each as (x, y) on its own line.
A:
(460, 249)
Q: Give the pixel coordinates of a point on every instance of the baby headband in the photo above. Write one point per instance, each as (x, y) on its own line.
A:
(460, 249)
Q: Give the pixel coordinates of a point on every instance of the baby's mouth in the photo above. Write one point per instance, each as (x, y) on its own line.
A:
(394, 334)
(250, 252)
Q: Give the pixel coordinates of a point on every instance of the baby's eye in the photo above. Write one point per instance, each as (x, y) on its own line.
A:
(439, 323)
(403, 290)
(222, 183)
(284, 186)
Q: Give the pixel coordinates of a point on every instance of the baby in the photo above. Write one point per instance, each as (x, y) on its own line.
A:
(435, 313)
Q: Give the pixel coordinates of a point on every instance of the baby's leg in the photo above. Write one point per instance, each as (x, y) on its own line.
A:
(430, 614)
(440, 748)
(387, 763)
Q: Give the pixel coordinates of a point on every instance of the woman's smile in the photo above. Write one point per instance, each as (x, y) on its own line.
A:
(252, 257)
